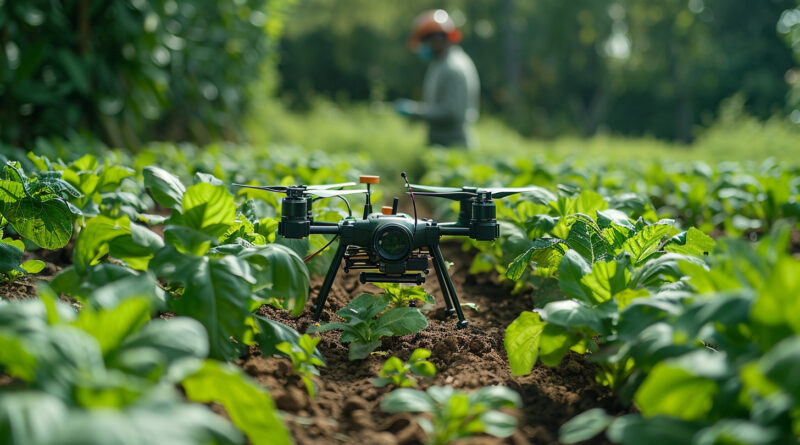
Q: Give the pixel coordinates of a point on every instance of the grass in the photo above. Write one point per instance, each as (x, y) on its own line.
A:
(398, 144)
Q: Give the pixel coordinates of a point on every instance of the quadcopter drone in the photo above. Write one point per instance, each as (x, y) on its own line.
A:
(390, 247)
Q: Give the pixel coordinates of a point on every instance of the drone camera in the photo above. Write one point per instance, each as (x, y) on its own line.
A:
(392, 242)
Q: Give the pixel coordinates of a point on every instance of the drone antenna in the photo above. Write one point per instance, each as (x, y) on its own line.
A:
(413, 202)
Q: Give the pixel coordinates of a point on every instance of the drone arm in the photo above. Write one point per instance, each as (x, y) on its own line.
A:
(317, 229)
(454, 230)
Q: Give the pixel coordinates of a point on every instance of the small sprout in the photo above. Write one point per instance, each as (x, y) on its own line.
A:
(368, 320)
(400, 295)
(472, 306)
(453, 414)
(396, 372)
(303, 360)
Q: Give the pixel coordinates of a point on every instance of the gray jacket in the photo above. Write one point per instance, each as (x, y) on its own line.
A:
(450, 99)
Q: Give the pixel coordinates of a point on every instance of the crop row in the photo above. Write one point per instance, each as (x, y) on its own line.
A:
(699, 335)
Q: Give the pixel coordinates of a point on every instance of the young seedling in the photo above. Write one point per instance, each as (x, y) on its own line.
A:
(303, 360)
(456, 414)
(396, 372)
(368, 320)
(11, 265)
(402, 296)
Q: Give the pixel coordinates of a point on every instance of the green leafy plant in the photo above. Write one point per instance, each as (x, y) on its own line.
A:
(367, 320)
(400, 295)
(455, 414)
(109, 375)
(35, 207)
(397, 373)
(304, 362)
(97, 182)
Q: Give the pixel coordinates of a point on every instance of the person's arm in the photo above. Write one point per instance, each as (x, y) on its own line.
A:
(450, 101)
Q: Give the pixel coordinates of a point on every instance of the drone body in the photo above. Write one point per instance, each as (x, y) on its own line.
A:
(390, 247)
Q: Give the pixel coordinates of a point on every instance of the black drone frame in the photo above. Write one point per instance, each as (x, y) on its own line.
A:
(391, 247)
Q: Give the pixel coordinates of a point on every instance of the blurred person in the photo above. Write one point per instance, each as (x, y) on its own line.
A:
(451, 89)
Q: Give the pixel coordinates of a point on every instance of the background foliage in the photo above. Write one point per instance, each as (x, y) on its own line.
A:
(552, 67)
(132, 70)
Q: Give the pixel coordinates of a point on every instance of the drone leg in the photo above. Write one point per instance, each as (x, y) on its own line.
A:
(437, 257)
(440, 276)
(326, 285)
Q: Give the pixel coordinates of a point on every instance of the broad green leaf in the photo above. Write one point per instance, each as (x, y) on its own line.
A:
(32, 266)
(494, 397)
(554, 344)
(781, 365)
(586, 238)
(633, 429)
(363, 307)
(605, 280)
(93, 241)
(571, 271)
(250, 407)
(419, 354)
(273, 332)
(522, 340)
(573, 314)
(15, 360)
(692, 242)
(669, 267)
(216, 293)
(360, 349)
(112, 176)
(774, 312)
(613, 217)
(111, 327)
(737, 431)
(47, 223)
(587, 202)
(407, 400)
(672, 391)
(149, 421)
(28, 417)
(163, 346)
(542, 251)
(401, 321)
(280, 274)
(645, 243)
(10, 257)
(166, 189)
(188, 240)
(498, 424)
(584, 426)
(208, 208)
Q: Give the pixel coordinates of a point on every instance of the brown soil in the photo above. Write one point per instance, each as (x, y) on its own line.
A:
(347, 406)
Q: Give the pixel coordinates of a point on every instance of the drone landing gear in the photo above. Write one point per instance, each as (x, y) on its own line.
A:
(448, 290)
(326, 285)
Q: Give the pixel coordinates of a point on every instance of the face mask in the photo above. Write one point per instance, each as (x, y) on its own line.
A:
(424, 52)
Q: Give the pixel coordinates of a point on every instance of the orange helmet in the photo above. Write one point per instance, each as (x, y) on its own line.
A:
(432, 22)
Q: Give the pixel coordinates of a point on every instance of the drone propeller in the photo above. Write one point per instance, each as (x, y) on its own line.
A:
(332, 193)
(330, 186)
(466, 192)
(285, 188)
(428, 188)
(455, 196)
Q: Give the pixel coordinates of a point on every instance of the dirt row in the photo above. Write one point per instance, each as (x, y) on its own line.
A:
(347, 409)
